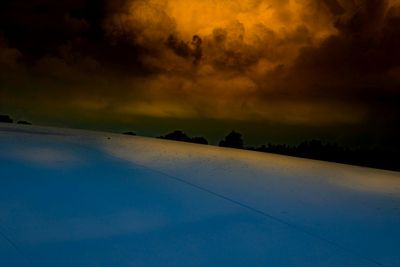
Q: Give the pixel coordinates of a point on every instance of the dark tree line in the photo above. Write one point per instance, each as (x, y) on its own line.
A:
(129, 133)
(183, 137)
(8, 119)
(313, 149)
(327, 151)
(316, 149)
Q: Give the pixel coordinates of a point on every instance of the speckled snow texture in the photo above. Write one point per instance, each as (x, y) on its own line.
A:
(80, 198)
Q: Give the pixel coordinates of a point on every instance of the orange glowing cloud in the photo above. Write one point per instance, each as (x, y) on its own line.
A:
(234, 33)
(286, 61)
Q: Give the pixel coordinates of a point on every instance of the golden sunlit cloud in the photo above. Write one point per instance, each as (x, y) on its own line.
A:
(216, 55)
(234, 34)
(285, 61)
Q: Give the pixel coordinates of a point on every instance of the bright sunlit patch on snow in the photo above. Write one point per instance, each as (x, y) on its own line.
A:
(134, 201)
(202, 160)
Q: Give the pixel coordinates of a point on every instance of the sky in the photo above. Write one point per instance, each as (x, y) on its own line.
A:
(278, 71)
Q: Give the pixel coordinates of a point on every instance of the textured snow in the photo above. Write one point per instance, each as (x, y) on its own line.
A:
(81, 198)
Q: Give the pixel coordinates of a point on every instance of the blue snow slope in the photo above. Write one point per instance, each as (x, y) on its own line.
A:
(80, 198)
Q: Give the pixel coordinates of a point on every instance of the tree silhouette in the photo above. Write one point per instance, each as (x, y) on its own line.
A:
(24, 122)
(177, 136)
(199, 140)
(183, 137)
(233, 140)
(6, 118)
(129, 133)
(385, 158)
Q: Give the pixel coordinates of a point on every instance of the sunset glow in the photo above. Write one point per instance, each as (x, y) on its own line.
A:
(309, 63)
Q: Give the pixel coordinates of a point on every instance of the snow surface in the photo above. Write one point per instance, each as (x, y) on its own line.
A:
(81, 198)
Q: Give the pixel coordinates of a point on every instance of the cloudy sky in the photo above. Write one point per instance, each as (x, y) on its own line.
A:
(276, 70)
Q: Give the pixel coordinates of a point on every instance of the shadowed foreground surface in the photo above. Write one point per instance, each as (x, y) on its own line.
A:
(78, 198)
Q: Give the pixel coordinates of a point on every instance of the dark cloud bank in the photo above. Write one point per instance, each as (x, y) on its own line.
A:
(333, 72)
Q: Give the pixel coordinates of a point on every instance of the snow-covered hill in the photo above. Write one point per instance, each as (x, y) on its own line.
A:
(81, 198)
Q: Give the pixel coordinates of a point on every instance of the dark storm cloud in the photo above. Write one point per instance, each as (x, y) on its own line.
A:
(192, 50)
(363, 58)
(360, 65)
(310, 62)
(41, 28)
(334, 7)
(38, 27)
